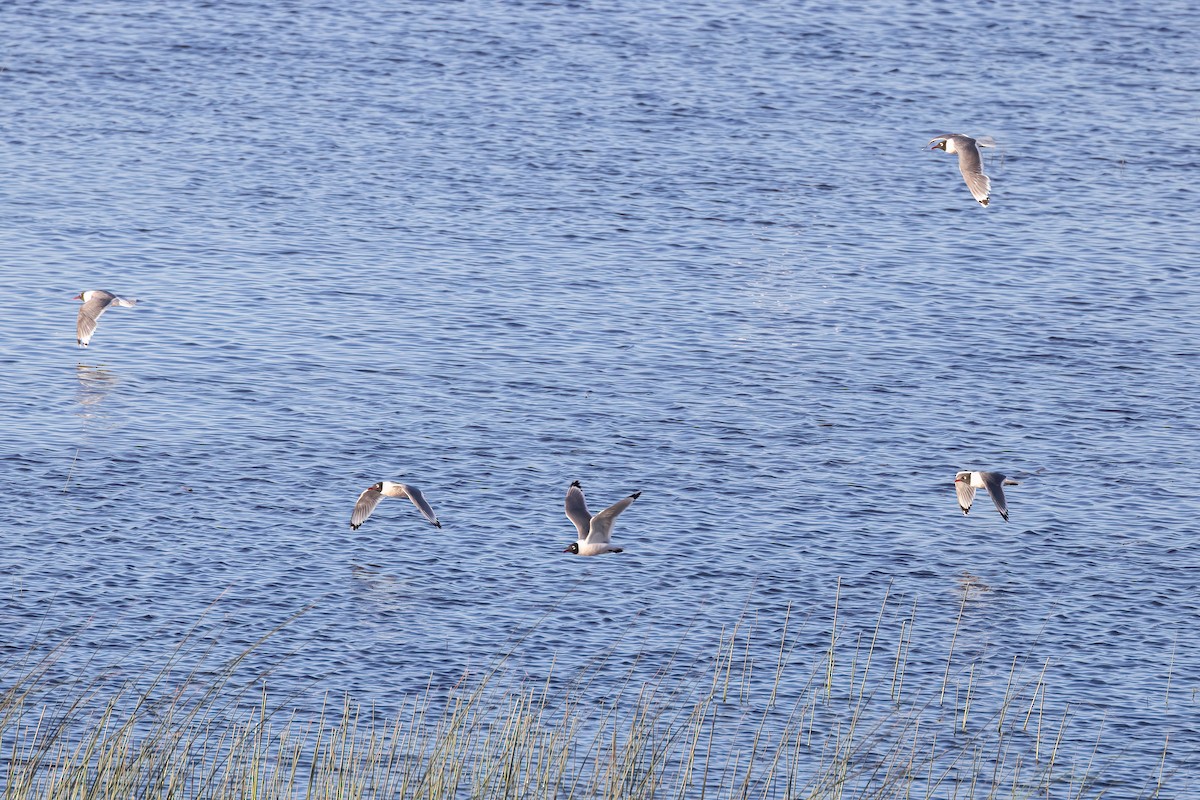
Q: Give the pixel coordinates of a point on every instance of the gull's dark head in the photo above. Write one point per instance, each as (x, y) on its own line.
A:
(574, 548)
(376, 488)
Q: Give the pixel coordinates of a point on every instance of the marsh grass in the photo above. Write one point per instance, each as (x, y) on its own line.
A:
(850, 723)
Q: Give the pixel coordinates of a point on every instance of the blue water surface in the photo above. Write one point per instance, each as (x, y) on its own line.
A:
(689, 248)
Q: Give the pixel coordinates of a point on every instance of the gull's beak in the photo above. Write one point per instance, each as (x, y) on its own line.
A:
(78, 296)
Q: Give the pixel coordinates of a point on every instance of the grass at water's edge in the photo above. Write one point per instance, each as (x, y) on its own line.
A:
(847, 725)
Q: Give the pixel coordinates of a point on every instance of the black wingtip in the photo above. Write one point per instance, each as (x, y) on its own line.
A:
(437, 524)
(354, 527)
(636, 495)
(577, 484)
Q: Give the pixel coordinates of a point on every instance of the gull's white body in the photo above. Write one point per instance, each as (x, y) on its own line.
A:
(95, 303)
(970, 162)
(595, 533)
(965, 484)
(373, 494)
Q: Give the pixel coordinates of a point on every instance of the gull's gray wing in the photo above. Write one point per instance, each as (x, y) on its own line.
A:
(577, 510)
(89, 316)
(994, 482)
(970, 164)
(363, 508)
(418, 499)
(601, 527)
(966, 494)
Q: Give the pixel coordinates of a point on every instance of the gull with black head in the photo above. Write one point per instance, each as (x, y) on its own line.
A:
(595, 533)
(965, 484)
(373, 494)
(970, 162)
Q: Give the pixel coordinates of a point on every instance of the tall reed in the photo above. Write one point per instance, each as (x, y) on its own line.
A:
(849, 724)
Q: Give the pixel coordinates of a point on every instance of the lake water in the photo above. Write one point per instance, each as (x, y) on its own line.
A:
(690, 248)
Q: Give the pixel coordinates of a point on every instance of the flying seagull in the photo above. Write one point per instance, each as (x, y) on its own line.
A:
(373, 494)
(95, 303)
(965, 483)
(970, 162)
(595, 533)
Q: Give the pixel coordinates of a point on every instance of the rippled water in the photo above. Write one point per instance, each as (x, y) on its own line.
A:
(689, 248)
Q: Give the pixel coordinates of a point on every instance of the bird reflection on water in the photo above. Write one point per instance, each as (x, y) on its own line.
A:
(95, 384)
